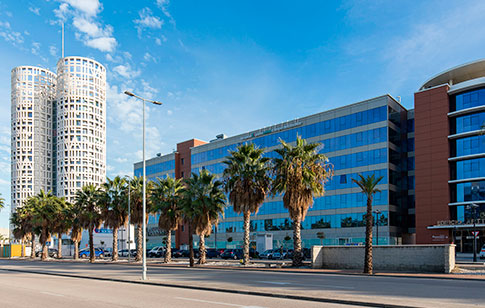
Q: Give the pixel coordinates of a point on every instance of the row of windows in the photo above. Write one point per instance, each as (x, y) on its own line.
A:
(470, 145)
(464, 213)
(157, 168)
(472, 168)
(470, 122)
(320, 203)
(353, 120)
(473, 191)
(470, 99)
(349, 220)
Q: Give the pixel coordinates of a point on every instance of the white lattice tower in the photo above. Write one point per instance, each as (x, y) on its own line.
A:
(81, 125)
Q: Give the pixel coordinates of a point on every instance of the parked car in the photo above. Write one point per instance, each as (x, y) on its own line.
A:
(156, 252)
(232, 254)
(307, 253)
(482, 253)
(52, 252)
(98, 253)
(212, 253)
(108, 252)
(267, 254)
(123, 253)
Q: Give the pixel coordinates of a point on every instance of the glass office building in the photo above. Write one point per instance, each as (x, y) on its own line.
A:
(368, 137)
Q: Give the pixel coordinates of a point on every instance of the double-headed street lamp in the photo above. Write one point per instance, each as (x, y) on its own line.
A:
(144, 258)
(474, 207)
(377, 212)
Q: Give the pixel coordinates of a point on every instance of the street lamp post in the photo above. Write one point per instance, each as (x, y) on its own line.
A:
(129, 220)
(474, 207)
(377, 212)
(144, 258)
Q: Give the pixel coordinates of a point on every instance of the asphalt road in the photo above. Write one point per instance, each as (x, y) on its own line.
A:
(33, 290)
(416, 292)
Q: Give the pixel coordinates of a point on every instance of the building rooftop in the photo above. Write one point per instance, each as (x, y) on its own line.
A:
(457, 74)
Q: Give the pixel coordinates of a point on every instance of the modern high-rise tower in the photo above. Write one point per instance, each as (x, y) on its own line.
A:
(81, 124)
(32, 143)
(58, 128)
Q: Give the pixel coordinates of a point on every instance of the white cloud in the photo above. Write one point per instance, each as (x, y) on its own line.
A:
(62, 11)
(169, 112)
(163, 5)
(88, 7)
(53, 51)
(126, 71)
(148, 57)
(147, 20)
(158, 41)
(106, 44)
(35, 10)
(87, 26)
(16, 38)
(35, 48)
(121, 160)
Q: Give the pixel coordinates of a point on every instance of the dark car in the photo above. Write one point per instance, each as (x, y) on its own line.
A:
(232, 254)
(212, 253)
(52, 252)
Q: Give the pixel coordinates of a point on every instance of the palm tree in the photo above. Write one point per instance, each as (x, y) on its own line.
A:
(166, 199)
(247, 182)
(136, 208)
(2, 202)
(300, 174)
(368, 185)
(203, 201)
(19, 231)
(114, 208)
(76, 227)
(87, 198)
(62, 223)
(45, 209)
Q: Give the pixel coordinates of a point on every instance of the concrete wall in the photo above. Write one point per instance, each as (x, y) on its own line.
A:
(409, 258)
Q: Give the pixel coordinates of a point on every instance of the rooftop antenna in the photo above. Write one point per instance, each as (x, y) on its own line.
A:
(62, 39)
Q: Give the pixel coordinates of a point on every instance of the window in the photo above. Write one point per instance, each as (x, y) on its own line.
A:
(181, 161)
(343, 179)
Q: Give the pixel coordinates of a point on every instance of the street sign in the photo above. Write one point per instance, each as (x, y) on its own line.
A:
(470, 237)
(475, 233)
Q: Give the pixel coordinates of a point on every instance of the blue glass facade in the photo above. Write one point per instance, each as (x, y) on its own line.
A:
(468, 167)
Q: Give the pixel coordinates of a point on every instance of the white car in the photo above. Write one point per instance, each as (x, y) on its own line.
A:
(482, 253)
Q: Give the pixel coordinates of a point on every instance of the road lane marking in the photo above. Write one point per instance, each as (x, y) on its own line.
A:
(275, 282)
(53, 294)
(217, 303)
(306, 284)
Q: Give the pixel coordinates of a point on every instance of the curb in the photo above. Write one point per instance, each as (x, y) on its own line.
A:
(212, 289)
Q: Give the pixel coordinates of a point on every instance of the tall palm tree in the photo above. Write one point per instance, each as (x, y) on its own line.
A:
(136, 191)
(76, 227)
(300, 174)
(87, 198)
(166, 200)
(114, 208)
(203, 201)
(62, 223)
(368, 185)
(19, 231)
(2, 202)
(247, 182)
(45, 209)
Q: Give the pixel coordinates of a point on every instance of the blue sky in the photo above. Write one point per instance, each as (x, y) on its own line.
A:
(233, 66)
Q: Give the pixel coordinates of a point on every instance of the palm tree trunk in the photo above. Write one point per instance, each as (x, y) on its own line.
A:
(45, 251)
(59, 246)
(22, 253)
(114, 257)
(202, 249)
(191, 246)
(297, 254)
(76, 250)
(247, 218)
(92, 256)
(368, 268)
(32, 249)
(139, 242)
(168, 251)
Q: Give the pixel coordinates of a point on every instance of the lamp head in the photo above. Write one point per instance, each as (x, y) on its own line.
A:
(129, 93)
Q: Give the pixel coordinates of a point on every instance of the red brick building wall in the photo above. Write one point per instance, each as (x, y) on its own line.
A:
(183, 168)
(432, 171)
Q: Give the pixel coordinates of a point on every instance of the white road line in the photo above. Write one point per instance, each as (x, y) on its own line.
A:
(53, 294)
(331, 286)
(217, 303)
(275, 282)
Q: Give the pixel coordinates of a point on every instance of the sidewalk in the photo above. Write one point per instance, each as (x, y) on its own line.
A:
(463, 271)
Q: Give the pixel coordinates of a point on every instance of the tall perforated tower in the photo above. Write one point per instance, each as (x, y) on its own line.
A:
(81, 124)
(32, 124)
